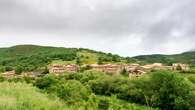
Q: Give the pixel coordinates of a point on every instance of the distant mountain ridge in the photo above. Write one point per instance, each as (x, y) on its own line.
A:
(186, 57)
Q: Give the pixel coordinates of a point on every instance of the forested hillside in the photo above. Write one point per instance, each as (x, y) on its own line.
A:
(32, 57)
(187, 57)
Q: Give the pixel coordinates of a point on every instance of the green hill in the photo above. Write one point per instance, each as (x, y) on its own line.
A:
(187, 57)
(33, 57)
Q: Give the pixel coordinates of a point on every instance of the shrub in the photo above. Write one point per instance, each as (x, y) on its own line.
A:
(167, 91)
(72, 91)
(18, 70)
(46, 83)
(103, 104)
(192, 79)
(162, 89)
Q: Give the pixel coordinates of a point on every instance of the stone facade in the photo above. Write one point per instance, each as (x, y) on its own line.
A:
(136, 73)
(180, 66)
(109, 68)
(32, 74)
(8, 74)
(154, 66)
(63, 68)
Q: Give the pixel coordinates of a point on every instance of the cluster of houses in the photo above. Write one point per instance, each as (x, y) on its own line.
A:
(57, 68)
(134, 70)
(11, 74)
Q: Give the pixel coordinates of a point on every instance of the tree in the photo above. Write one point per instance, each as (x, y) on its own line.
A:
(18, 70)
(8, 68)
(167, 91)
(46, 83)
(2, 69)
(46, 70)
(84, 68)
(178, 68)
(124, 72)
(100, 61)
(72, 91)
(115, 58)
(130, 60)
(103, 104)
(78, 61)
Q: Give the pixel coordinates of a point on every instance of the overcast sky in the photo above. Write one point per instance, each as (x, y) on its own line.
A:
(124, 27)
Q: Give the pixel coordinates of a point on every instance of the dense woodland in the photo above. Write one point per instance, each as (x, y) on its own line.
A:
(90, 90)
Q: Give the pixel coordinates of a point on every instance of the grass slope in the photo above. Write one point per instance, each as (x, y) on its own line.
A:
(19, 96)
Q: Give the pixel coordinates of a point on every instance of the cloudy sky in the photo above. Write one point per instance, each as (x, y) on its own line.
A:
(125, 27)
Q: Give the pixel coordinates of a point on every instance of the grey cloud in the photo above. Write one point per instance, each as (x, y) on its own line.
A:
(154, 22)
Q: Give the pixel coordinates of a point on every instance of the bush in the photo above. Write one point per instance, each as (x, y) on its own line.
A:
(162, 89)
(167, 91)
(2, 69)
(8, 68)
(72, 91)
(192, 79)
(103, 104)
(159, 89)
(46, 83)
(18, 70)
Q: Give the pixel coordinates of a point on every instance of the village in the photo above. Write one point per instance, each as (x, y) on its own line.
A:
(133, 70)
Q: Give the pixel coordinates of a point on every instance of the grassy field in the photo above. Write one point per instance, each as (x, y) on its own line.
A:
(88, 57)
(19, 96)
(61, 62)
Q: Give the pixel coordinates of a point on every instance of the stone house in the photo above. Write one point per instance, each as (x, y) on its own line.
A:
(108, 68)
(131, 67)
(72, 68)
(56, 68)
(32, 74)
(136, 73)
(154, 66)
(180, 66)
(9, 74)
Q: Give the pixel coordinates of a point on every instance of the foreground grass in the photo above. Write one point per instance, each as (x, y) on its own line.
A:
(19, 96)
(116, 104)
